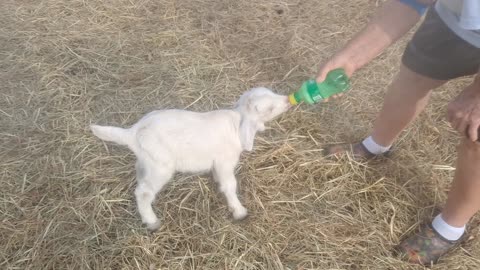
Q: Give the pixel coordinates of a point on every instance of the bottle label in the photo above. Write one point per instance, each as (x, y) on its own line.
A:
(317, 98)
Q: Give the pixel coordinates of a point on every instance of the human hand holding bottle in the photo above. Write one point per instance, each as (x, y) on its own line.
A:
(338, 61)
(392, 21)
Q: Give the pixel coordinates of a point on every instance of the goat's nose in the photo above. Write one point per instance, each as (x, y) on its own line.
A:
(287, 101)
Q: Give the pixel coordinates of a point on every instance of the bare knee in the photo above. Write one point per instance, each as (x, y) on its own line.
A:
(411, 80)
(470, 148)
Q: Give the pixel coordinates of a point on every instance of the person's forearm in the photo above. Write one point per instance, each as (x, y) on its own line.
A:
(390, 23)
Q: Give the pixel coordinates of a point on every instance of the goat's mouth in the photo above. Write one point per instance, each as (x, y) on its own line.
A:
(288, 103)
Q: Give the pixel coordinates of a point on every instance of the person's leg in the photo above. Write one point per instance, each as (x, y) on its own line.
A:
(405, 99)
(434, 55)
(446, 230)
(435, 239)
(464, 197)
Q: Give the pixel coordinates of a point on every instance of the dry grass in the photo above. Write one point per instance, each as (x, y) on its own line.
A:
(67, 199)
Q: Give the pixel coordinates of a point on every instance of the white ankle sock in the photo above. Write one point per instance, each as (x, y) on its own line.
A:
(447, 231)
(373, 147)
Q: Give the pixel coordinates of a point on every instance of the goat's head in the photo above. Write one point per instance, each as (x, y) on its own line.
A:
(258, 106)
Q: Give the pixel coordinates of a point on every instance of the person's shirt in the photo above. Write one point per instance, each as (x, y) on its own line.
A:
(462, 17)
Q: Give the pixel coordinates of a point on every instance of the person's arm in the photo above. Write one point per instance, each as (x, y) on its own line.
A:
(393, 20)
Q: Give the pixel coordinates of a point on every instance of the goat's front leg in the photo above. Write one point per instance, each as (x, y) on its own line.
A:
(225, 177)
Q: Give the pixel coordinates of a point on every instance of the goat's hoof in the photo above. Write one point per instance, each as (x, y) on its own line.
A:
(240, 214)
(152, 227)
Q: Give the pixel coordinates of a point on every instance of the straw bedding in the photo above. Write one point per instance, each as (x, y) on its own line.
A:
(67, 199)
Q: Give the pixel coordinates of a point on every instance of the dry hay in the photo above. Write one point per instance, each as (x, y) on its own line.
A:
(67, 199)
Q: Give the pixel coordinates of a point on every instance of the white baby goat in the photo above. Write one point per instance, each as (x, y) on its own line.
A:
(167, 141)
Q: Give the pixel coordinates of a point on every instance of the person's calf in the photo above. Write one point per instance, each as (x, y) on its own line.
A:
(464, 197)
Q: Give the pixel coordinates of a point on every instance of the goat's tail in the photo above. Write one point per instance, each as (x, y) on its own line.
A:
(113, 134)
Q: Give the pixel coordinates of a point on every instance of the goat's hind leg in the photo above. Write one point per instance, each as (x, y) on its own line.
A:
(150, 180)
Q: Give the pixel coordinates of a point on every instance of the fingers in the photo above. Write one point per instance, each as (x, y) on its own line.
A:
(333, 97)
(456, 118)
(322, 74)
(461, 126)
(465, 125)
(458, 122)
(336, 96)
(472, 131)
(326, 68)
(336, 62)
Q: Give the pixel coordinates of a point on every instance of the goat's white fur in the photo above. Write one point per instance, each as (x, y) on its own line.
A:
(167, 141)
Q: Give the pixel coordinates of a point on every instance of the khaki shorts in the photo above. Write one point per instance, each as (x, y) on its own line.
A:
(437, 52)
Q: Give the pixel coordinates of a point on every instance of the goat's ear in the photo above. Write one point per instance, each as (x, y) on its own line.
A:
(248, 129)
